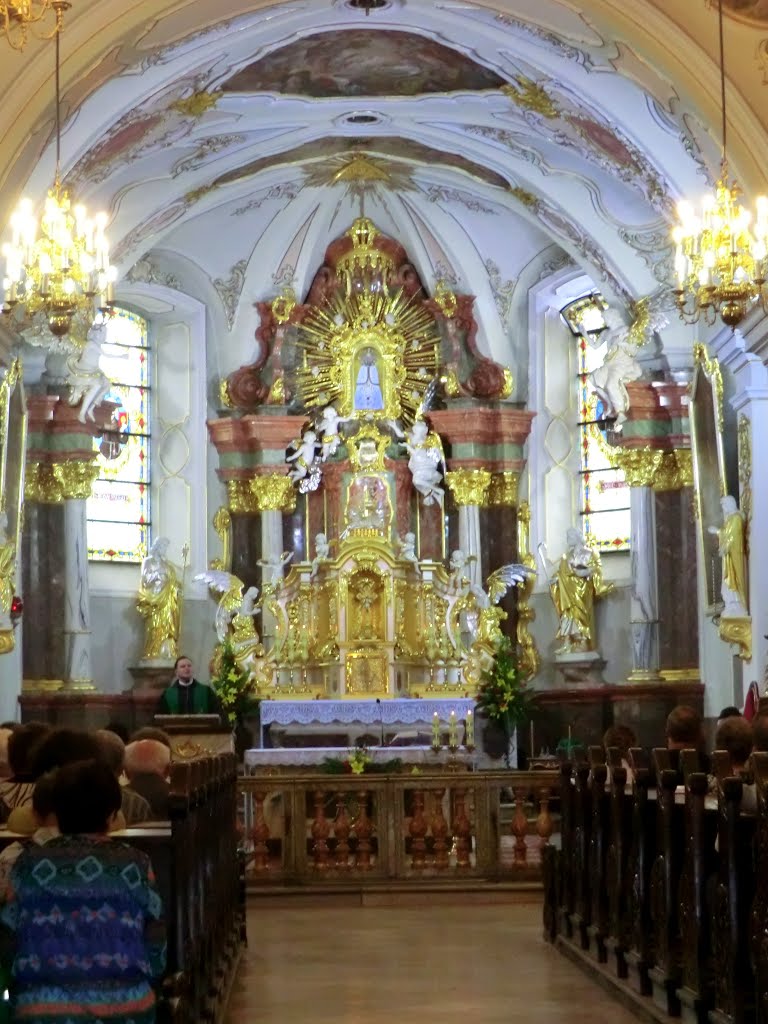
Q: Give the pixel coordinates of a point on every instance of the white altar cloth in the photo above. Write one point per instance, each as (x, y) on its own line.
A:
(306, 756)
(398, 711)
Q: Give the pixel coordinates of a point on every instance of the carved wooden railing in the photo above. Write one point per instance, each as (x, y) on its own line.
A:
(675, 868)
(367, 829)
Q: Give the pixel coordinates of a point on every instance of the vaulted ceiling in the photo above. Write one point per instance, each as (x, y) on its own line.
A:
(231, 142)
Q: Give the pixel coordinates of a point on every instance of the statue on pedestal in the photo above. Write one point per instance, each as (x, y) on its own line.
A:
(407, 545)
(322, 553)
(159, 603)
(234, 617)
(574, 587)
(731, 549)
(425, 462)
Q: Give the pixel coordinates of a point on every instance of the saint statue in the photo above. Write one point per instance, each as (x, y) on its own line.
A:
(159, 603)
(574, 588)
(368, 394)
(425, 462)
(731, 549)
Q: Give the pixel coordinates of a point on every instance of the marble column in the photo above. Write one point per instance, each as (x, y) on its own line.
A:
(644, 615)
(77, 618)
(271, 550)
(469, 541)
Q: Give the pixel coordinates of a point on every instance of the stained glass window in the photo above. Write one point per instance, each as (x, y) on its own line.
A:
(604, 509)
(118, 509)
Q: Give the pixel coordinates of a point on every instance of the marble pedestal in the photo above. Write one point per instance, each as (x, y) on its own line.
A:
(581, 668)
(151, 678)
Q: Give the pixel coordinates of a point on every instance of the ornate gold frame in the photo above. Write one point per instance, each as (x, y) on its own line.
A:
(706, 418)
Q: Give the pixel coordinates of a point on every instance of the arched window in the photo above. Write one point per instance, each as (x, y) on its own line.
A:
(118, 509)
(604, 494)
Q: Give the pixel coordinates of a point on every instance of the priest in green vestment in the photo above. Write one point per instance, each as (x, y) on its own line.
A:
(186, 695)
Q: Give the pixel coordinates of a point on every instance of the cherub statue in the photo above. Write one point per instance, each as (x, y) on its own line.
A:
(426, 462)
(88, 384)
(159, 603)
(306, 471)
(234, 616)
(458, 564)
(328, 427)
(731, 549)
(407, 545)
(574, 585)
(275, 566)
(322, 553)
(619, 367)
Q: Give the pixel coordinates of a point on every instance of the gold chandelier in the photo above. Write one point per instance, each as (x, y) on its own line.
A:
(721, 260)
(59, 267)
(23, 18)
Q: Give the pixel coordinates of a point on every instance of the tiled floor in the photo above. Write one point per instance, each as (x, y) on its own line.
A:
(453, 964)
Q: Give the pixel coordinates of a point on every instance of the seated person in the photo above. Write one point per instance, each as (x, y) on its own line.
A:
(622, 738)
(734, 735)
(186, 695)
(45, 820)
(759, 733)
(134, 807)
(5, 768)
(146, 764)
(17, 791)
(87, 943)
(152, 732)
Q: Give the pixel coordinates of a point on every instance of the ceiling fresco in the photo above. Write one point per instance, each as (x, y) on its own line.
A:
(332, 153)
(363, 63)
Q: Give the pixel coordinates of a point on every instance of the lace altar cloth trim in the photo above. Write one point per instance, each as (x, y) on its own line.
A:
(390, 712)
(298, 756)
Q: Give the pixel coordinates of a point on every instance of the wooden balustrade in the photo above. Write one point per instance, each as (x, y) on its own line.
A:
(666, 876)
(365, 829)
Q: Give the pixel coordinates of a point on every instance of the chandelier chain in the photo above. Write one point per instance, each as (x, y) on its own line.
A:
(722, 85)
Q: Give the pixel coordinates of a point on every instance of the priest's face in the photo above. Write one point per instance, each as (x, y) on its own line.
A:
(184, 669)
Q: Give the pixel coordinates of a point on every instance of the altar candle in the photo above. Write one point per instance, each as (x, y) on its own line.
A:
(435, 730)
(453, 730)
(469, 730)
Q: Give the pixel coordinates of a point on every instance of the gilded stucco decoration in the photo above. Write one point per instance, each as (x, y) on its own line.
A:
(528, 658)
(745, 471)
(261, 494)
(222, 524)
(468, 486)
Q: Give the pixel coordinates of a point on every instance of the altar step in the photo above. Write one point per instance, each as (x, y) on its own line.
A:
(475, 891)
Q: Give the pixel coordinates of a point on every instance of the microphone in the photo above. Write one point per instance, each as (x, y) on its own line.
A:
(381, 718)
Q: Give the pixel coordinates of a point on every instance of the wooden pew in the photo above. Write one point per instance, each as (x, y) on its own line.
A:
(640, 952)
(758, 928)
(617, 861)
(598, 844)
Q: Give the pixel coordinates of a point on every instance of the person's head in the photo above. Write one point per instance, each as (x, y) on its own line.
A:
(63, 746)
(760, 733)
(5, 766)
(119, 730)
(683, 728)
(86, 798)
(43, 801)
(729, 712)
(22, 745)
(147, 757)
(151, 732)
(620, 736)
(183, 668)
(735, 735)
(112, 750)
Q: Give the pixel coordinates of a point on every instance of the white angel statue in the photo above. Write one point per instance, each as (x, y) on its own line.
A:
(322, 553)
(506, 576)
(87, 382)
(275, 566)
(458, 565)
(306, 471)
(407, 546)
(234, 616)
(328, 429)
(426, 462)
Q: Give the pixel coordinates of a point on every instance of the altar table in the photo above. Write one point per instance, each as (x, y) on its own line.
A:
(305, 757)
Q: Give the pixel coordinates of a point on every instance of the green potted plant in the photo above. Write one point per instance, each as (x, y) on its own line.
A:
(236, 692)
(503, 695)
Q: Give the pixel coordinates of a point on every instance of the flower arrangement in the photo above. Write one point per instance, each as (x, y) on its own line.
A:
(233, 686)
(503, 694)
(359, 762)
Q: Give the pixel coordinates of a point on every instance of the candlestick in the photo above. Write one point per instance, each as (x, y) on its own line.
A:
(453, 730)
(469, 730)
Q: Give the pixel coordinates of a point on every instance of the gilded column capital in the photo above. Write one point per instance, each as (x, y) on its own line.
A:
(40, 485)
(272, 491)
(502, 490)
(468, 486)
(653, 467)
(75, 478)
